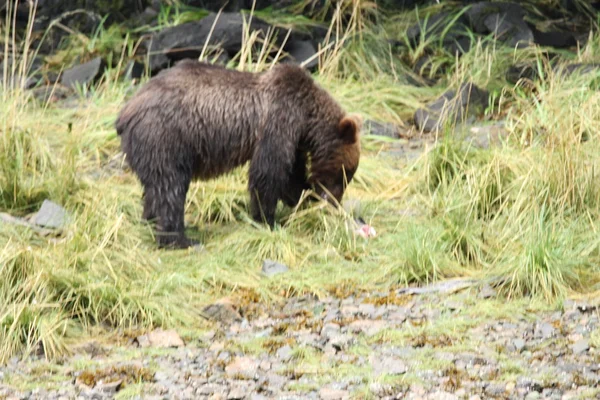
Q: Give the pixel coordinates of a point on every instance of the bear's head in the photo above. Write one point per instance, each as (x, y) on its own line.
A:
(330, 177)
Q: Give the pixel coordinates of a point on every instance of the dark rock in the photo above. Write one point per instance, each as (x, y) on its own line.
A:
(512, 32)
(518, 72)
(300, 51)
(423, 68)
(271, 268)
(578, 68)
(222, 311)
(134, 70)
(187, 40)
(83, 74)
(382, 129)
(502, 19)
(531, 71)
(478, 12)
(559, 40)
(401, 4)
(228, 6)
(146, 17)
(452, 107)
(51, 93)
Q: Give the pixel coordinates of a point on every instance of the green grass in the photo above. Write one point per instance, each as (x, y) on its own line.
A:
(523, 213)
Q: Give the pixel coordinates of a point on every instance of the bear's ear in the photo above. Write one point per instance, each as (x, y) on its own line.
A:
(350, 127)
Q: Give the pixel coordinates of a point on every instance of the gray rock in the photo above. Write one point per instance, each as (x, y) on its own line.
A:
(83, 74)
(238, 392)
(495, 389)
(544, 330)
(242, 368)
(366, 309)
(271, 268)
(581, 346)
(341, 342)
(368, 327)
(484, 136)
(519, 344)
(387, 365)
(349, 311)
(504, 20)
(529, 384)
(452, 107)
(110, 388)
(222, 311)
(284, 353)
(533, 395)
(384, 129)
(301, 51)
(160, 338)
(333, 394)
(447, 286)
(330, 330)
(276, 381)
(51, 215)
(210, 389)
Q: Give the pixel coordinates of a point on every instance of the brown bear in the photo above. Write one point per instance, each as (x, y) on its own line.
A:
(198, 121)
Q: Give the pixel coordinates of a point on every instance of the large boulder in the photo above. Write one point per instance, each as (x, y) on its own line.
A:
(187, 40)
(49, 10)
(504, 20)
(83, 16)
(229, 6)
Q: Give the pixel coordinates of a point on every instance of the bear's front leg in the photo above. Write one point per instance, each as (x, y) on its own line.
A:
(297, 182)
(270, 171)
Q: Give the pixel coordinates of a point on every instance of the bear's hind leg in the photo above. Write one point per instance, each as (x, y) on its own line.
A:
(149, 213)
(167, 200)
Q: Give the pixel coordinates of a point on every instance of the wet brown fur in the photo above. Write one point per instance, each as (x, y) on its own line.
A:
(199, 121)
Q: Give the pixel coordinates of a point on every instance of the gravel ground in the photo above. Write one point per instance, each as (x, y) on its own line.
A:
(446, 342)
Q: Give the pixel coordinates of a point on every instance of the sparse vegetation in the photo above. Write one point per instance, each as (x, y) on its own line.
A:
(524, 213)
